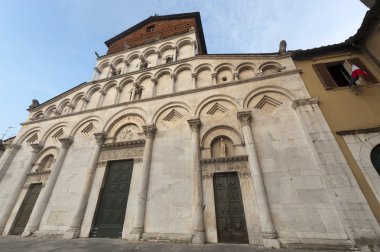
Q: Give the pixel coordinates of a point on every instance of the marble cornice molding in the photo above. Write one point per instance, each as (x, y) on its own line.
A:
(359, 131)
(305, 101)
(224, 159)
(190, 91)
(126, 144)
(39, 173)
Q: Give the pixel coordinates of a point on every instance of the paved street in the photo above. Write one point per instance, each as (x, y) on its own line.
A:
(15, 244)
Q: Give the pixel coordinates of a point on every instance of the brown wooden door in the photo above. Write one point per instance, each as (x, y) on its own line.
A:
(230, 219)
(113, 198)
(26, 209)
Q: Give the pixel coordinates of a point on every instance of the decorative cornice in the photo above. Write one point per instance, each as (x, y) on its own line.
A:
(244, 117)
(39, 173)
(133, 143)
(195, 124)
(224, 159)
(13, 146)
(359, 131)
(306, 101)
(190, 91)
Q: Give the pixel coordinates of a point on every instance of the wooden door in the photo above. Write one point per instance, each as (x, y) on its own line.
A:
(26, 209)
(230, 219)
(113, 198)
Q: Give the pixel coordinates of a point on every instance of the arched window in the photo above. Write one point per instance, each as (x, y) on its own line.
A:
(375, 158)
(45, 163)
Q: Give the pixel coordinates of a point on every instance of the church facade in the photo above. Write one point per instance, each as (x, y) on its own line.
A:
(169, 143)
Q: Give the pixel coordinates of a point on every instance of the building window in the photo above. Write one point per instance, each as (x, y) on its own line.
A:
(338, 73)
(150, 28)
(375, 158)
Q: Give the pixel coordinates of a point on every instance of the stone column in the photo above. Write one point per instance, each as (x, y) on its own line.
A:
(195, 47)
(75, 224)
(96, 74)
(126, 66)
(6, 159)
(267, 229)
(175, 53)
(18, 187)
(158, 58)
(197, 211)
(118, 93)
(154, 82)
(236, 76)
(174, 77)
(143, 183)
(101, 98)
(213, 76)
(43, 198)
(194, 79)
(84, 104)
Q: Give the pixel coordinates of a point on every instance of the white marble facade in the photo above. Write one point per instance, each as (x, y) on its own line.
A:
(169, 116)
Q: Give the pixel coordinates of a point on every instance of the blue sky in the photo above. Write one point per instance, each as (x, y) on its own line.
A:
(47, 47)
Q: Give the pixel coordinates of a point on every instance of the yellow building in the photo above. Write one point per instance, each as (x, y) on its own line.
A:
(353, 113)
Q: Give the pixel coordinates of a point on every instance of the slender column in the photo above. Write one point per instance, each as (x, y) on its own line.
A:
(101, 98)
(158, 58)
(18, 187)
(197, 211)
(6, 159)
(133, 92)
(195, 47)
(71, 108)
(126, 66)
(175, 53)
(174, 77)
(236, 76)
(43, 198)
(194, 79)
(143, 183)
(154, 82)
(84, 104)
(213, 76)
(75, 224)
(118, 93)
(267, 230)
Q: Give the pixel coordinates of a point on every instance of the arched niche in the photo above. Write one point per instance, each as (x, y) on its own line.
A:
(183, 80)
(224, 73)
(204, 75)
(270, 67)
(215, 138)
(164, 83)
(222, 146)
(125, 128)
(246, 71)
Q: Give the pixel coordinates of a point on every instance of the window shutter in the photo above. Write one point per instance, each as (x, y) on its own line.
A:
(324, 75)
(368, 78)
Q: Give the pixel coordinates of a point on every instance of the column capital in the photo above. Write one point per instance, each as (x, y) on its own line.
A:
(100, 138)
(85, 100)
(173, 76)
(158, 54)
(213, 75)
(97, 70)
(149, 130)
(195, 124)
(306, 101)
(194, 75)
(126, 62)
(154, 80)
(119, 89)
(37, 147)
(244, 117)
(236, 74)
(66, 142)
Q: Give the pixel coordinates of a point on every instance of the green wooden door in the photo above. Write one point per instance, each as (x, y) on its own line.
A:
(230, 219)
(26, 209)
(113, 198)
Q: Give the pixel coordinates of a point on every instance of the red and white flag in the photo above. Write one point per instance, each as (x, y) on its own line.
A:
(356, 72)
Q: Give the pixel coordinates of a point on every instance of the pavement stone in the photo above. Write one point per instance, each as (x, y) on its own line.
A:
(34, 244)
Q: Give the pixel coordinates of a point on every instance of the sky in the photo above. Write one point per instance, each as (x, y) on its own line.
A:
(47, 47)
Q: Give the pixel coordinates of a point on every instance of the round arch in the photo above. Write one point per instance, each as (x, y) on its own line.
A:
(27, 134)
(266, 89)
(212, 98)
(54, 128)
(84, 121)
(170, 105)
(221, 130)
